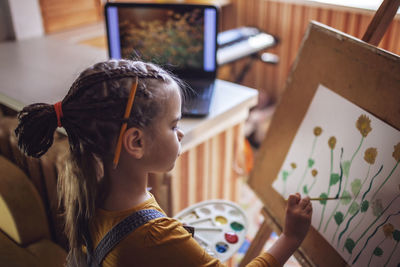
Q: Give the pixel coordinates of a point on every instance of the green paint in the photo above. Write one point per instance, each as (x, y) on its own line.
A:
(365, 203)
(310, 163)
(364, 206)
(338, 217)
(237, 226)
(349, 245)
(334, 179)
(285, 175)
(329, 189)
(346, 198)
(353, 208)
(396, 235)
(346, 170)
(312, 185)
(377, 218)
(356, 186)
(323, 201)
(391, 254)
(305, 190)
(384, 182)
(346, 167)
(377, 207)
(378, 251)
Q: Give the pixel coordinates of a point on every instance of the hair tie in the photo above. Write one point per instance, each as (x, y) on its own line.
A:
(59, 113)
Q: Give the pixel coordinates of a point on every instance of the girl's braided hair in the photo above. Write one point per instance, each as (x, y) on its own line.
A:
(92, 115)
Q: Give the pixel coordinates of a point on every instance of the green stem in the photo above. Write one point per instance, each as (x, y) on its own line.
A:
(370, 259)
(391, 254)
(329, 189)
(284, 183)
(284, 188)
(345, 185)
(312, 185)
(348, 210)
(377, 217)
(341, 174)
(373, 233)
(351, 161)
(358, 149)
(363, 197)
(372, 254)
(383, 183)
(357, 225)
(307, 167)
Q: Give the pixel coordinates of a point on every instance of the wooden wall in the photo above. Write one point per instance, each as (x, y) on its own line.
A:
(288, 21)
(61, 15)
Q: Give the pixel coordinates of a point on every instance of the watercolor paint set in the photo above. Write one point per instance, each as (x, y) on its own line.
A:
(220, 226)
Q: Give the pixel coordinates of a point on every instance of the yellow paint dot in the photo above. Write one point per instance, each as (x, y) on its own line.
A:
(221, 220)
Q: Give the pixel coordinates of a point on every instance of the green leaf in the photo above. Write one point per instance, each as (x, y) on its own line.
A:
(356, 187)
(310, 162)
(334, 179)
(377, 207)
(378, 251)
(349, 245)
(305, 190)
(285, 175)
(338, 217)
(354, 207)
(323, 195)
(364, 206)
(396, 235)
(346, 167)
(346, 198)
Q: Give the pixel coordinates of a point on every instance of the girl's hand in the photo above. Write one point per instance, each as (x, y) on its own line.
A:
(298, 217)
(298, 220)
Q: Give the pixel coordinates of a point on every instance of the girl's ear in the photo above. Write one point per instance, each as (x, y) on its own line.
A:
(133, 142)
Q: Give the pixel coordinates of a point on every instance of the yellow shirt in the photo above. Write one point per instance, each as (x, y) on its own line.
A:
(160, 242)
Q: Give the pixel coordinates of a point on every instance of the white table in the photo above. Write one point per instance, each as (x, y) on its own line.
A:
(42, 69)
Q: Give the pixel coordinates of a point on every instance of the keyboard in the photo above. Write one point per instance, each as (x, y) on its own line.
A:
(241, 42)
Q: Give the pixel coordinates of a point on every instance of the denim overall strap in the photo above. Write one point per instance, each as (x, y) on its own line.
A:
(119, 232)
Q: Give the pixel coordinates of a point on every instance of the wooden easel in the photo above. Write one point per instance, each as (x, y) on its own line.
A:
(375, 31)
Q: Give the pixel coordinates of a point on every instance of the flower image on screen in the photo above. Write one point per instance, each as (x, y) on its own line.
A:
(163, 36)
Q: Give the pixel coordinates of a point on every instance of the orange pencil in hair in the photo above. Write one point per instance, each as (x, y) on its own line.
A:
(125, 124)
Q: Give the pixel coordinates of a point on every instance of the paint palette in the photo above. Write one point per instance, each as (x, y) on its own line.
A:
(220, 226)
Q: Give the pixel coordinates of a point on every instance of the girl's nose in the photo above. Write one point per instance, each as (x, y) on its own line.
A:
(181, 134)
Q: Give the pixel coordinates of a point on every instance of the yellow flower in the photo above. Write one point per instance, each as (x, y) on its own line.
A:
(317, 131)
(396, 152)
(388, 230)
(332, 142)
(370, 155)
(314, 172)
(293, 165)
(363, 124)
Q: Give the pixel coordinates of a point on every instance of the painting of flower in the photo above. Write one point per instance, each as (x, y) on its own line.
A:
(345, 153)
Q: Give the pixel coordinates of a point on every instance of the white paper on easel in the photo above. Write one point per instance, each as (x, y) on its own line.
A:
(341, 149)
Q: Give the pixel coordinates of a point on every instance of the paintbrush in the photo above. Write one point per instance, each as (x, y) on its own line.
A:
(325, 198)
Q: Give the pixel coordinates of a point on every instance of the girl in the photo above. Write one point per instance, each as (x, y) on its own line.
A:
(105, 176)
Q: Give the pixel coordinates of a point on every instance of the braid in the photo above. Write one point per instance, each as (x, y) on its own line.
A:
(35, 130)
(124, 71)
(92, 115)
